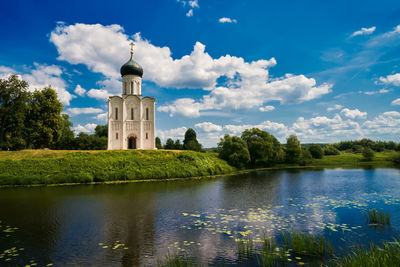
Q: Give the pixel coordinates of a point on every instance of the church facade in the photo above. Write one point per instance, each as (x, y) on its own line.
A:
(131, 117)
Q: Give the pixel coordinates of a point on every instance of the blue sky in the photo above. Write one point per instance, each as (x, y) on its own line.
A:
(322, 71)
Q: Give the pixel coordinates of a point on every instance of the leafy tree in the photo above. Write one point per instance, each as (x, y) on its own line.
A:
(158, 143)
(368, 154)
(330, 150)
(306, 157)
(190, 142)
(169, 144)
(234, 150)
(178, 145)
(44, 122)
(101, 130)
(67, 135)
(293, 149)
(263, 147)
(13, 108)
(316, 151)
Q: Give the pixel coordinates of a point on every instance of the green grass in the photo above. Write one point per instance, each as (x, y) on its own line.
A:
(378, 217)
(57, 167)
(351, 160)
(386, 255)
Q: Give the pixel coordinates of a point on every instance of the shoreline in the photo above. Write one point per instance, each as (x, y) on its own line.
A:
(166, 180)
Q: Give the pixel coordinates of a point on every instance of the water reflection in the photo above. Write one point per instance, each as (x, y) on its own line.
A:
(136, 224)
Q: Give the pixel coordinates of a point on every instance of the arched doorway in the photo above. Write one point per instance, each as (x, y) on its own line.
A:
(132, 142)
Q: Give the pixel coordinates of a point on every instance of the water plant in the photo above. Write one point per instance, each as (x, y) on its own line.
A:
(386, 255)
(175, 260)
(307, 244)
(378, 217)
(245, 249)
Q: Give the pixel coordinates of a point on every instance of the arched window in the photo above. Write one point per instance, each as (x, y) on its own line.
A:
(147, 135)
(116, 136)
(131, 88)
(116, 114)
(147, 113)
(132, 115)
(125, 88)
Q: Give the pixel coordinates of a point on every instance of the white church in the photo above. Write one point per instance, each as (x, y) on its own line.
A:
(131, 118)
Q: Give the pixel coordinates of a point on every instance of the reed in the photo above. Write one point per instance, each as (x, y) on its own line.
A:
(307, 244)
(386, 255)
(175, 261)
(378, 217)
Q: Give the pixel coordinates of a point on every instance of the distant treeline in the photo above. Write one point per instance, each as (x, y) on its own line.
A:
(256, 148)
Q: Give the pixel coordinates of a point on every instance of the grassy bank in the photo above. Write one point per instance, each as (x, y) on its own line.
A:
(30, 167)
(57, 167)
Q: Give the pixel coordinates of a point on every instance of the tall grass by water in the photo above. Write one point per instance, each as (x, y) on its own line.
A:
(307, 245)
(87, 167)
(175, 260)
(386, 255)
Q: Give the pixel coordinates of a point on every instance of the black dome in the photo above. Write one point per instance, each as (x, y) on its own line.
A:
(131, 67)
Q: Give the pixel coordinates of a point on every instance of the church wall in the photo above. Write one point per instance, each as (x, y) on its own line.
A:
(148, 123)
(115, 125)
(127, 82)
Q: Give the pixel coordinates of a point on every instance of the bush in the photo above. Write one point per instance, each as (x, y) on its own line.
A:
(330, 150)
(396, 160)
(316, 151)
(368, 154)
(306, 158)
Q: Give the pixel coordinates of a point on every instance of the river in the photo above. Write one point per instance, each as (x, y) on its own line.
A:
(139, 223)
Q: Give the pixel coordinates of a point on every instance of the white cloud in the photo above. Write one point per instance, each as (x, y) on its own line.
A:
(266, 108)
(48, 75)
(364, 31)
(189, 13)
(381, 91)
(87, 128)
(247, 83)
(208, 127)
(79, 90)
(335, 107)
(227, 20)
(396, 102)
(277, 129)
(386, 123)
(98, 93)
(5, 72)
(251, 91)
(78, 111)
(353, 113)
(391, 79)
(176, 133)
(194, 3)
(101, 117)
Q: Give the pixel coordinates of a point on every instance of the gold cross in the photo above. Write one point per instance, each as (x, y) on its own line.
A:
(132, 44)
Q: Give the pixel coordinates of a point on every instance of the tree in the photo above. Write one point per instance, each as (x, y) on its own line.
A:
(13, 108)
(67, 135)
(234, 150)
(306, 157)
(190, 142)
(178, 145)
(293, 149)
(44, 122)
(101, 130)
(158, 143)
(263, 147)
(169, 144)
(368, 154)
(316, 151)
